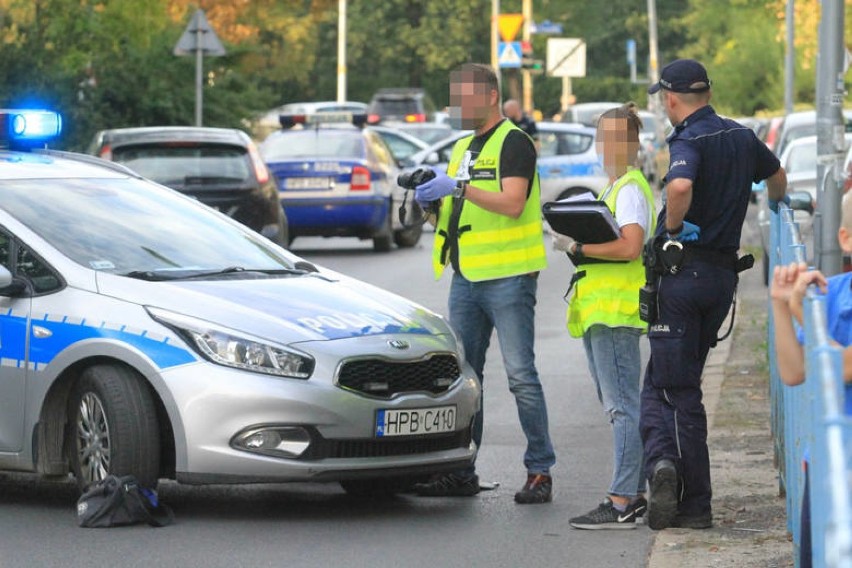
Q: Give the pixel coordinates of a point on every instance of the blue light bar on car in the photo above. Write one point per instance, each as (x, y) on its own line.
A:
(21, 126)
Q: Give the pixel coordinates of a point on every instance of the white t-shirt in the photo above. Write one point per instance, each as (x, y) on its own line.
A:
(632, 207)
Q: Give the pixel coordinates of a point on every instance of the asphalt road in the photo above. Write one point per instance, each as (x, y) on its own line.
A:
(318, 525)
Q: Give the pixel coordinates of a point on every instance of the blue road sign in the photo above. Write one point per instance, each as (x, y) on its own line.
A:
(509, 54)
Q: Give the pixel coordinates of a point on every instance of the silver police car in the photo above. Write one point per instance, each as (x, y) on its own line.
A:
(144, 333)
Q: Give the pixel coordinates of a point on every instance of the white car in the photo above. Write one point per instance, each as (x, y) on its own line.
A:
(799, 160)
(568, 163)
(145, 333)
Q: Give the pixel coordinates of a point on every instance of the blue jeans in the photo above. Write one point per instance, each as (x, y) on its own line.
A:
(507, 305)
(616, 368)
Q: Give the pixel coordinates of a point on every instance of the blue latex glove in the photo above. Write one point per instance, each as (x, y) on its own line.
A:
(773, 203)
(434, 189)
(689, 233)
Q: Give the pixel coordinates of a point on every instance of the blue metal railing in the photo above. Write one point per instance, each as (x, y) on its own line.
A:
(808, 423)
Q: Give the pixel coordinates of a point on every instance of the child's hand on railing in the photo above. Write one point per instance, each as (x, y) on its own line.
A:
(790, 284)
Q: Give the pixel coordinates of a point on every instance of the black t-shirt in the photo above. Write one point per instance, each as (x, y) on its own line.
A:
(517, 159)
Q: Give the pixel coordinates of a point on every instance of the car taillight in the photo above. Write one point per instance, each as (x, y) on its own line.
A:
(360, 179)
(259, 167)
(106, 152)
(373, 119)
(415, 117)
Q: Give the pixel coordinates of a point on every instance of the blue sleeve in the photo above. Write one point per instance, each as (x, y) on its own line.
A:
(684, 160)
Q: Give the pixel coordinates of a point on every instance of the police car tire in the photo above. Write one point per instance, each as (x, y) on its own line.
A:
(132, 429)
(383, 239)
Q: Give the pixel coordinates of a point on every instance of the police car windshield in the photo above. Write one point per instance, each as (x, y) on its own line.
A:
(313, 142)
(130, 226)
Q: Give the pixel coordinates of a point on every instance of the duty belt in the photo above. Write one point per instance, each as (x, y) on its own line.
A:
(671, 256)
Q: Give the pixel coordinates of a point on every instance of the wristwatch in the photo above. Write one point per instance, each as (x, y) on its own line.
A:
(578, 249)
(459, 190)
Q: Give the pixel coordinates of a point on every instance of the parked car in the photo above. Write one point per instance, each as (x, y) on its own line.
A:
(401, 144)
(268, 122)
(800, 124)
(146, 334)
(800, 162)
(428, 132)
(339, 180)
(587, 113)
(653, 150)
(221, 167)
(400, 105)
(567, 162)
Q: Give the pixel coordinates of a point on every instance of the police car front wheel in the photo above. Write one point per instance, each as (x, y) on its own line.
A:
(112, 426)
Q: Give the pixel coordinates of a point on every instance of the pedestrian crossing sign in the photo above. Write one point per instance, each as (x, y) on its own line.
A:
(509, 54)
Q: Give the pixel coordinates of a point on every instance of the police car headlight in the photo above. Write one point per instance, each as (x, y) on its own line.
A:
(234, 349)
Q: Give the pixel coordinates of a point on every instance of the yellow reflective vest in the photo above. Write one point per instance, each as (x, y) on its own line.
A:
(490, 245)
(609, 292)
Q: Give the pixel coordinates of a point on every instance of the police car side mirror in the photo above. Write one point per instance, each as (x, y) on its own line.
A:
(432, 158)
(9, 285)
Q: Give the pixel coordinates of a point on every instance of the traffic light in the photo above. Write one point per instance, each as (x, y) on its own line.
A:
(532, 65)
(528, 61)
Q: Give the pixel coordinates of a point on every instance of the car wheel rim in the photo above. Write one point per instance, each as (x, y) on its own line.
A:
(93, 440)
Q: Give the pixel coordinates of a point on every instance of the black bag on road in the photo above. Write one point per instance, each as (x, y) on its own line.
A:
(117, 501)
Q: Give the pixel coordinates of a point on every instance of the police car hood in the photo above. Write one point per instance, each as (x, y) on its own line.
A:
(286, 309)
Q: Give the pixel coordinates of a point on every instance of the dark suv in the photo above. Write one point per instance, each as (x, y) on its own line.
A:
(400, 105)
(220, 167)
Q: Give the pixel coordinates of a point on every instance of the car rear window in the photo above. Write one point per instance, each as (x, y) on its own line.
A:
(563, 143)
(802, 159)
(184, 164)
(395, 107)
(317, 142)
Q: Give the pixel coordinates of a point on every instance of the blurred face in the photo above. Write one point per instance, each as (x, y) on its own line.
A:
(470, 102)
(615, 146)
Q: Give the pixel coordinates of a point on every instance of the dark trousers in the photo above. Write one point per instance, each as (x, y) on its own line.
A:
(693, 304)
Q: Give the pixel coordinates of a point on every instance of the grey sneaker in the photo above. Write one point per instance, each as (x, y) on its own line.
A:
(662, 504)
(449, 485)
(606, 516)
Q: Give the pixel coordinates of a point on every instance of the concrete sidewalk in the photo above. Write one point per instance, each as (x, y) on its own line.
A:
(749, 516)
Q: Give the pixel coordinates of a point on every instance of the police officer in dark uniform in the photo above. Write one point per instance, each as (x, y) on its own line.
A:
(512, 110)
(713, 163)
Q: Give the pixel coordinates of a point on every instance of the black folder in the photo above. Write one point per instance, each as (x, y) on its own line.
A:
(584, 221)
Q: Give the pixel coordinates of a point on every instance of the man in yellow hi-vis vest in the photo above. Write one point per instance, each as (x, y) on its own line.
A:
(489, 231)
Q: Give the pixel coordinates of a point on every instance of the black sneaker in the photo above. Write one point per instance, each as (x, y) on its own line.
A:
(606, 516)
(449, 485)
(537, 489)
(662, 504)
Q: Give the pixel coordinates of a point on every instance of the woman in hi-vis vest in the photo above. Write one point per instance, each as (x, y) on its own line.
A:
(604, 311)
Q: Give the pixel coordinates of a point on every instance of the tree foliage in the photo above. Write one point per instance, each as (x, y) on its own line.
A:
(110, 63)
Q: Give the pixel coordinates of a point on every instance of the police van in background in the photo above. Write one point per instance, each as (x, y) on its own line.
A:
(144, 333)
